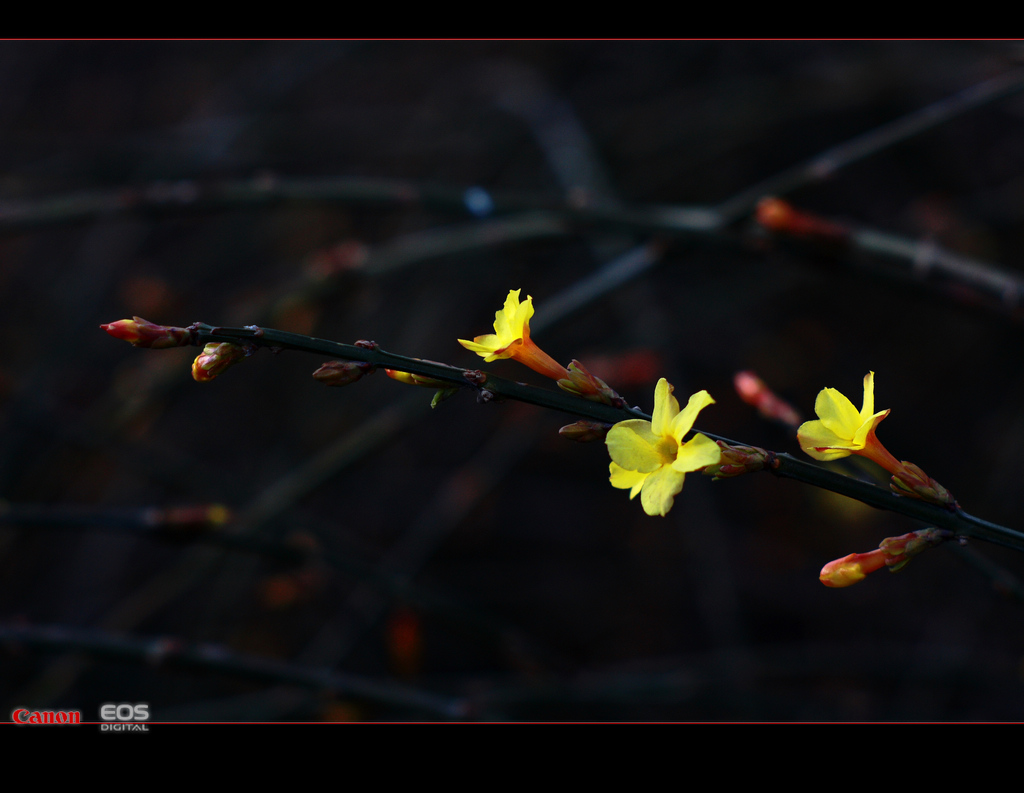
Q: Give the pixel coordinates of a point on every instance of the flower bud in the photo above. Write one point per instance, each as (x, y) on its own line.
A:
(893, 552)
(584, 431)
(900, 550)
(441, 395)
(339, 373)
(781, 217)
(142, 333)
(214, 359)
(851, 569)
(417, 379)
(910, 481)
(736, 460)
(753, 391)
(582, 383)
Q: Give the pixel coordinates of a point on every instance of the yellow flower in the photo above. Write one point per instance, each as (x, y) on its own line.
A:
(511, 339)
(842, 431)
(650, 458)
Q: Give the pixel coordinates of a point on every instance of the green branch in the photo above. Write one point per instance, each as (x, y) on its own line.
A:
(487, 386)
(490, 387)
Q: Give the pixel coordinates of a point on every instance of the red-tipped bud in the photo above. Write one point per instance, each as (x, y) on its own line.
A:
(900, 550)
(851, 569)
(582, 383)
(214, 359)
(339, 373)
(736, 460)
(910, 481)
(584, 431)
(893, 552)
(753, 391)
(779, 216)
(142, 333)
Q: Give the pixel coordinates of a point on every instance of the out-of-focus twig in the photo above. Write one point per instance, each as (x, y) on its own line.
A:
(832, 160)
(202, 525)
(170, 653)
(185, 196)
(923, 261)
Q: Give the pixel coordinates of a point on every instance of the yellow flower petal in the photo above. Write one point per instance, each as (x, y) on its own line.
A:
(511, 324)
(486, 346)
(520, 319)
(626, 480)
(634, 446)
(820, 442)
(837, 413)
(696, 453)
(815, 433)
(666, 408)
(683, 423)
(511, 327)
(660, 489)
(504, 319)
(869, 397)
(860, 438)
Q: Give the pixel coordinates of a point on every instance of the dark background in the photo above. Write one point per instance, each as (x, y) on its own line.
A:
(559, 598)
